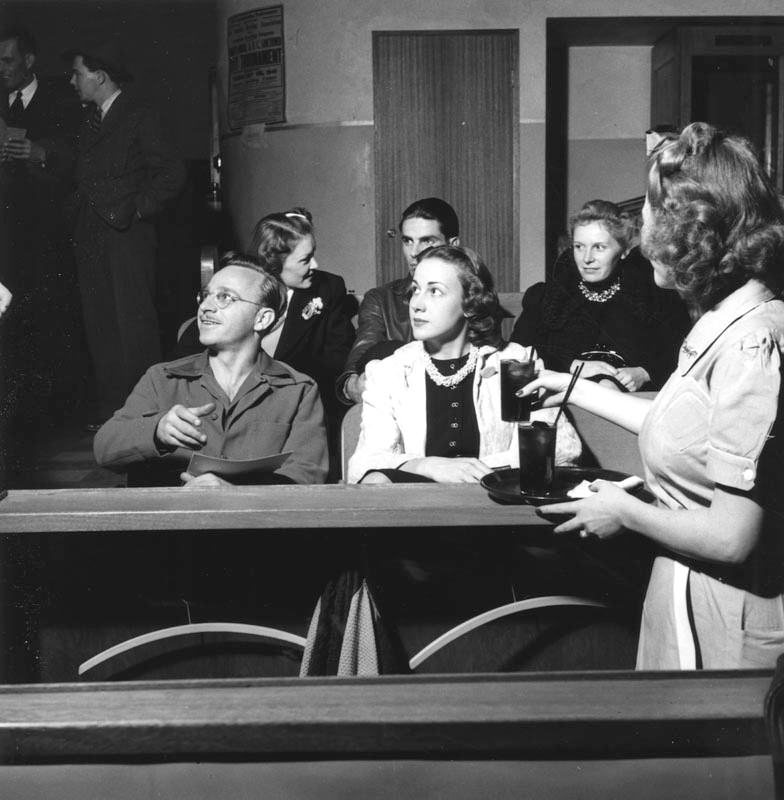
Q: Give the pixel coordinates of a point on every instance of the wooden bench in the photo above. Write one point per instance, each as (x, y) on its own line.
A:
(614, 735)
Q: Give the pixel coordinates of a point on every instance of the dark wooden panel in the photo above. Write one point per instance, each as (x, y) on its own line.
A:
(665, 82)
(446, 125)
(537, 716)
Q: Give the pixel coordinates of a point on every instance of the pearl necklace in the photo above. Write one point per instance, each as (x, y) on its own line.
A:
(600, 297)
(451, 380)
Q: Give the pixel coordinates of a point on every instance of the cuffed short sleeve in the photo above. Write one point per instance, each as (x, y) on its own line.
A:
(744, 388)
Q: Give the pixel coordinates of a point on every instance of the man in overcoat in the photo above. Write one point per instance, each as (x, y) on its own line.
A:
(125, 174)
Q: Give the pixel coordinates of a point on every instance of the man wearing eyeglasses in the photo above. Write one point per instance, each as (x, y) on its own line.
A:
(231, 401)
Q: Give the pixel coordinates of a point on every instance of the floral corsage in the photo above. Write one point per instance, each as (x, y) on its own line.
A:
(315, 306)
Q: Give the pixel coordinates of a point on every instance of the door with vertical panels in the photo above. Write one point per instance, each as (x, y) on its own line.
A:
(446, 125)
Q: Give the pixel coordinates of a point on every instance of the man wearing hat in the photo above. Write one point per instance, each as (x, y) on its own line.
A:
(125, 174)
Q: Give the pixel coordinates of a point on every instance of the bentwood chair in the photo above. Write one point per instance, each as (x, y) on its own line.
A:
(199, 649)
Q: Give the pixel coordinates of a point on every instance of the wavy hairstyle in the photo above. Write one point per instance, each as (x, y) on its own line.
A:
(480, 302)
(715, 219)
(277, 235)
(618, 224)
(271, 290)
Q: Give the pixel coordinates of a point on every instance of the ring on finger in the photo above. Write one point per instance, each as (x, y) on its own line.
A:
(584, 533)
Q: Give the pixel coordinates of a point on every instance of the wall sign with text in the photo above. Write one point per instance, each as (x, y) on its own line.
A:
(257, 76)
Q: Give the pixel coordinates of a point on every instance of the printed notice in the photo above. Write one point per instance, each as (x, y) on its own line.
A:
(257, 77)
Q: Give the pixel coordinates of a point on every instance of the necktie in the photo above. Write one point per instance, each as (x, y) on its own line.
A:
(95, 119)
(16, 110)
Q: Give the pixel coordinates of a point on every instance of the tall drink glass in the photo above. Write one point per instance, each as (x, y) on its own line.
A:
(536, 443)
(514, 375)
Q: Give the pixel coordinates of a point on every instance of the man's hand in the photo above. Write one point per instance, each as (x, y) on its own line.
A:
(354, 386)
(5, 299)
(23, 150)
(179, 426)
(207, 480)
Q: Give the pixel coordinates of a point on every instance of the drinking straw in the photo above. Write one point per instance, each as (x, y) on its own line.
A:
(575, 376)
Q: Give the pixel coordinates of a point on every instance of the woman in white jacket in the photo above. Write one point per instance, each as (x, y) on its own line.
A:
(432, 410)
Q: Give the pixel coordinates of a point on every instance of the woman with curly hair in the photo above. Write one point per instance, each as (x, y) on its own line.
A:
(432, 410)
(601, 308)
(713, 439)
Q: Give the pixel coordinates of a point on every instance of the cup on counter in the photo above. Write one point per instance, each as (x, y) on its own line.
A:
(514, 375)
(536, 443)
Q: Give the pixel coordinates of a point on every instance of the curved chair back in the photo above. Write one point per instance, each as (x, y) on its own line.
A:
(349, 436)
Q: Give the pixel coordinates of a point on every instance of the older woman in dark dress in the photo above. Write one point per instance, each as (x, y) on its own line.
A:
(600, 306)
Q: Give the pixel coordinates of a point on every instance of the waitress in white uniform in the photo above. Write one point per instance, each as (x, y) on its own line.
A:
(713, 439)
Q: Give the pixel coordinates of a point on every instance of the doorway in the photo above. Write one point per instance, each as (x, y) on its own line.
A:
(445, 109)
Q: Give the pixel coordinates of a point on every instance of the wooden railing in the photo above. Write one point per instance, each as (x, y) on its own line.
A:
(586, 716)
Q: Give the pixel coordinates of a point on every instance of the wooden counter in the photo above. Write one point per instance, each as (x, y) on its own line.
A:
(263, 508)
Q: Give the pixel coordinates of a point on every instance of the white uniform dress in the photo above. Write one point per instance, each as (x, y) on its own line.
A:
(713, 423)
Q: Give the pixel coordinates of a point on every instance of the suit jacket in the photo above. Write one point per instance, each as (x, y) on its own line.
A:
(51, 119)
(125, 168)
(318, 343)
(33, 193)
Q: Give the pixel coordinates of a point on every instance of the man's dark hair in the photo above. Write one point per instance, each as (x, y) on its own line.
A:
(95, 64)
(437, 209)
(25, 40)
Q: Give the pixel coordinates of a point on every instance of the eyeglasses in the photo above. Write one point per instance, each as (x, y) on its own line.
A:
(222, 299)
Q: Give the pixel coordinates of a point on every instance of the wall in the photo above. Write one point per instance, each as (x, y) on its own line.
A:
(609, 109)
(330, 96)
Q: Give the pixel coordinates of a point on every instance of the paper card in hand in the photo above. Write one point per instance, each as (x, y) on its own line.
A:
(228, 467)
